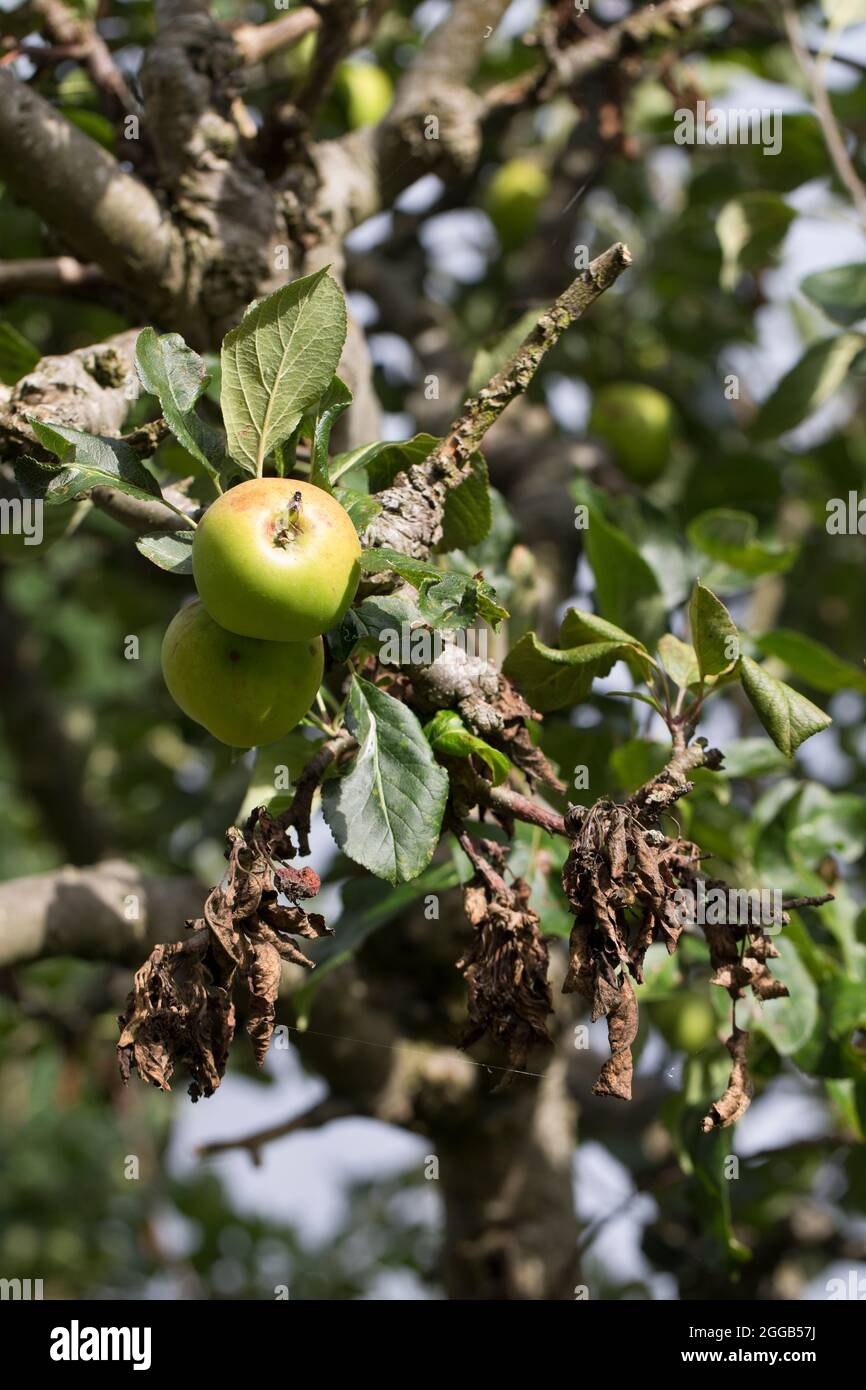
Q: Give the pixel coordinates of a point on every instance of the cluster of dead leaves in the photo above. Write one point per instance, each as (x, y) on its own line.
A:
(181, 1009)
(623, 880)
(506, 967)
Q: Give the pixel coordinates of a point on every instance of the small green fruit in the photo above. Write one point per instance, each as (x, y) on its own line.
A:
(687, 1024)
(637, 422)
(244, 691)
(368, 91)
(514, 195)
(276, 559)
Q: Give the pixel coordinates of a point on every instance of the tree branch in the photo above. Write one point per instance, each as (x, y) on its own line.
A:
(85, 42)
(81, 190)
(322, 1113)
(255, 42)
(50, 275)
(412, 508)
(110, 912)
(89, 389)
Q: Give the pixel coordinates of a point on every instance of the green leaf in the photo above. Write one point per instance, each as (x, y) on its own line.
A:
(789, 1023)
(277, 363)
(580, 626)
(752, 757)
(828, 822)
(168, 550)
(551, 678)
(714, 632)
(819, 373)
(628, 591)
(467, 515)
(812, 661)
(680, 660)
(177, 376)
(333, 402)
(385, 808)
(750, 229)
(444, 600)
(18, 356)
(360, 506)
(383, 461)
(840, 292)
(788, 717)
(446, 733)
(731, 538)
(89, 460)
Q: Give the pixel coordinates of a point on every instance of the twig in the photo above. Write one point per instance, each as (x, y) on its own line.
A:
(332, 43)
(299, 814)
(412, 508)
(49, 275)
(815, 73)
(83, 40)
(136, 514)
(256, 42)
(331, 1108)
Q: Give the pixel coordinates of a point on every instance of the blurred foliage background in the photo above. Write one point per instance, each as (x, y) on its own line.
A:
(713, 315)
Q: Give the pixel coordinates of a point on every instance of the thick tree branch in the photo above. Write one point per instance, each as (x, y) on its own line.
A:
(412, 508)
(109, 912)
(104, 214)
(89, 389)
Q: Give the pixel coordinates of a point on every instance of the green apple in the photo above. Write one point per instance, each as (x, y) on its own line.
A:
(688, 1024)
(368, 91)
(276, 558)
(513, 198)
(245, 692)
(637, 422)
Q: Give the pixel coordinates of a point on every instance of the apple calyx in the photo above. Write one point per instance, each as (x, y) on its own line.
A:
(287, 523)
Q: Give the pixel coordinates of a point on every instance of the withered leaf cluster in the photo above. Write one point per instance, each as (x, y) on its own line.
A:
(181, 1010)
(621, 880)
(506, 966)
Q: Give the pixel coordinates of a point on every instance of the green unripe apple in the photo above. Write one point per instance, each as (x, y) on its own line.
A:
(637, 422)
(277, 559)
(369, 93)
(245, 692)
(687, 1024)
(513, 198)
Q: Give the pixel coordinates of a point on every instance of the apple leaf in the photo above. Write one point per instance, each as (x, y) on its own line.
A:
(446, 733)
(714, 632)
(679, 660)
(385, 808)
(168, 550)
(444, 600)
(731, 538)
(278, 362)
(750, 229)
(89, 460)
(626, 585)
(467, 515)
(551, 678)
(818, 374)
(788, 717)
(333, 402)
(360, 506)
(18, 356)
(840, 292)
(812, 661)
(177, 376)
